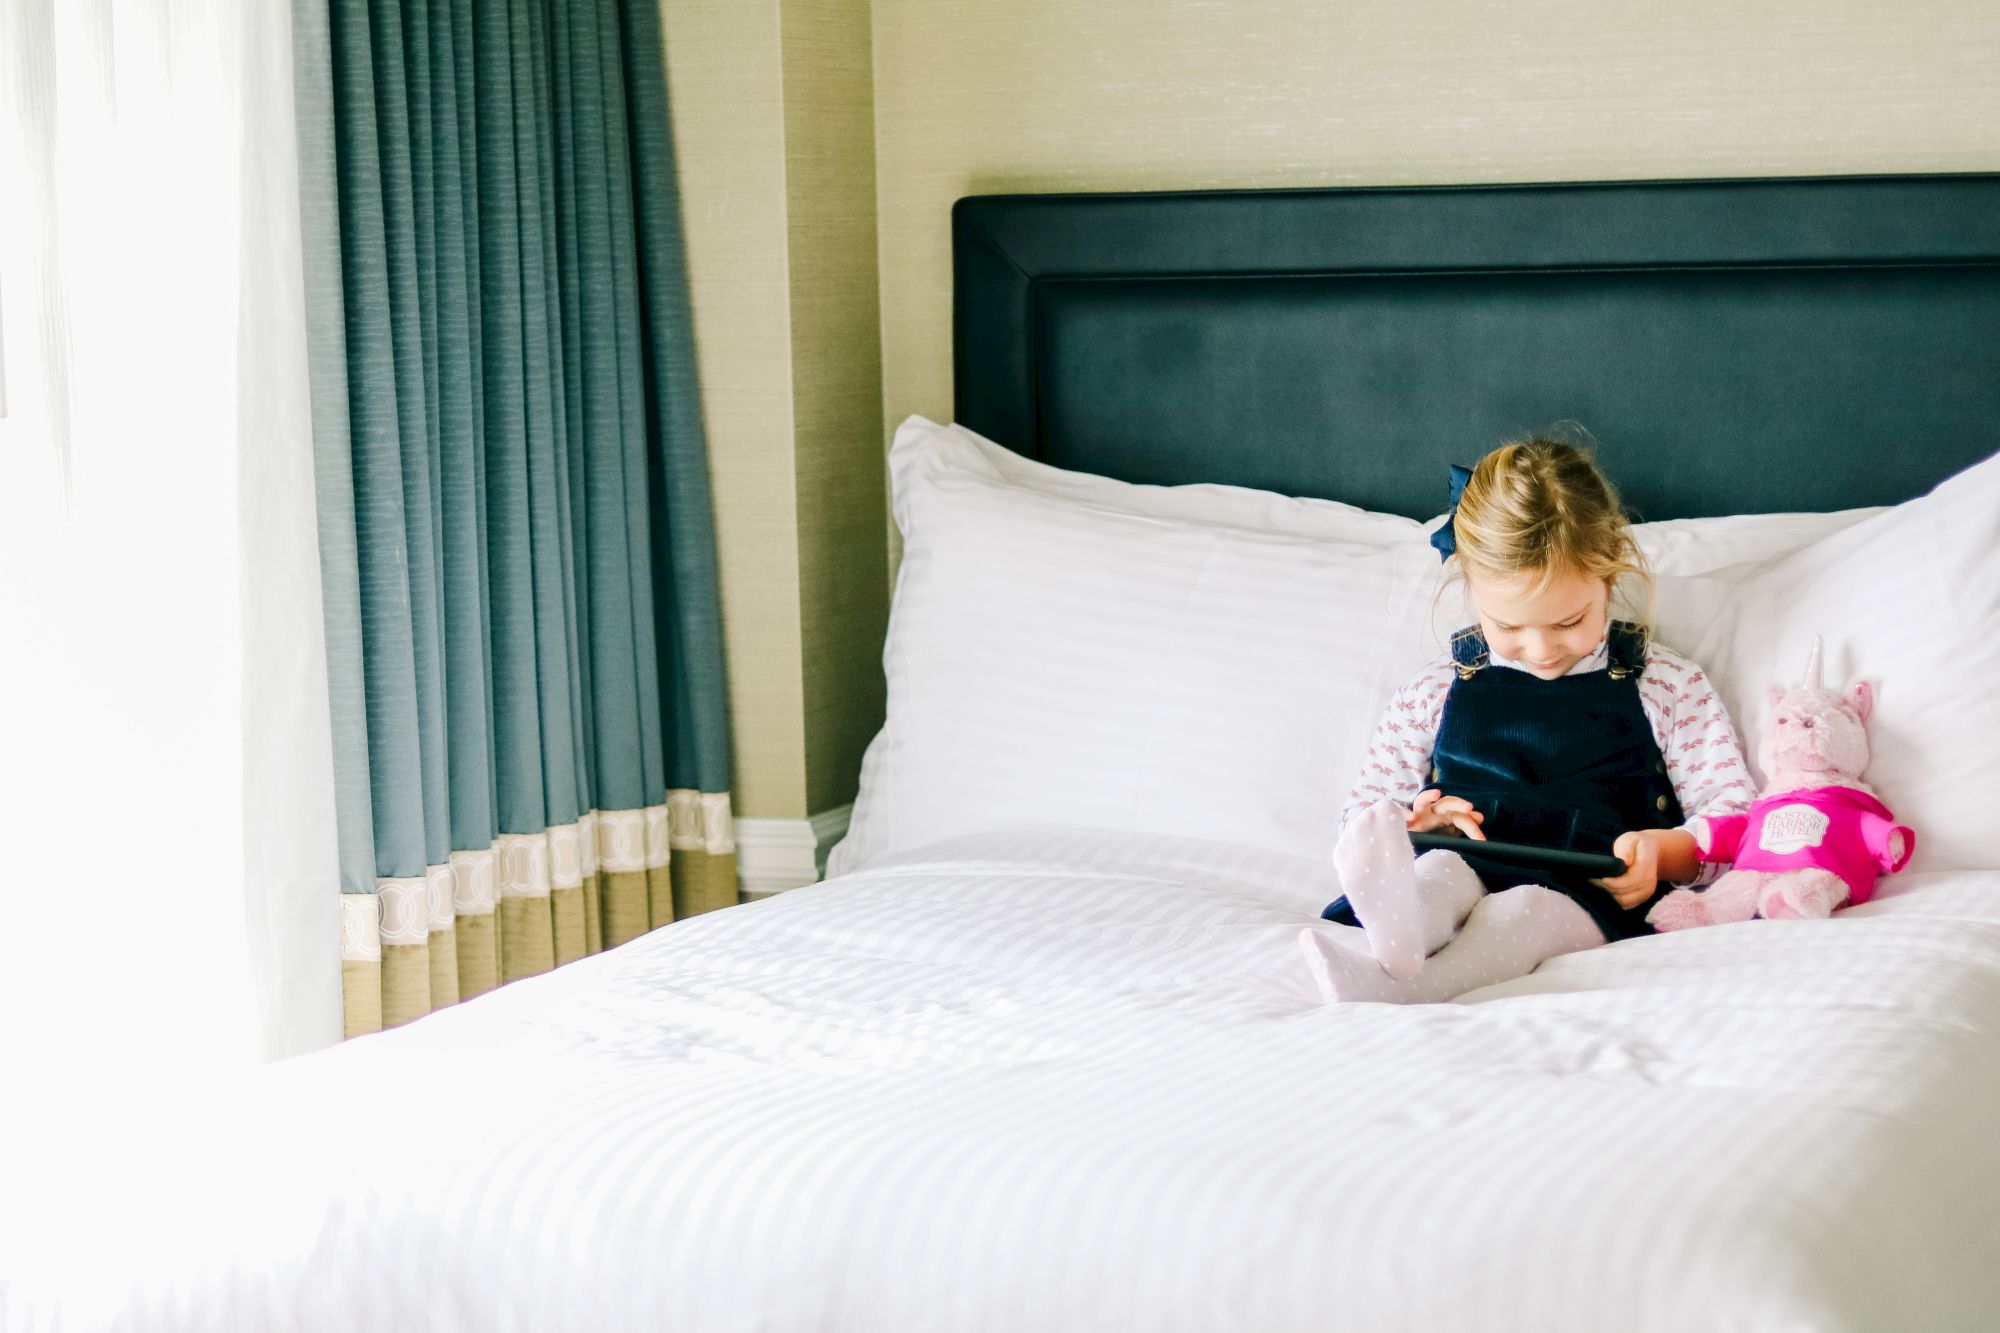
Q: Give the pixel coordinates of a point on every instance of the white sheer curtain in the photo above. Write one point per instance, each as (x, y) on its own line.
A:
(167, 881)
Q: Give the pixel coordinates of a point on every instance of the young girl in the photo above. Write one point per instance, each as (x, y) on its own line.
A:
(1548, 723)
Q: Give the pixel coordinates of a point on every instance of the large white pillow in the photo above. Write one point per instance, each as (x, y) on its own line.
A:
(1698, 563)
(1072, 651)
(1207, 504)
(1910, 600)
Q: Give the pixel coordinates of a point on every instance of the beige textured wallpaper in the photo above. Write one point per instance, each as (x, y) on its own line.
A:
(775, 130)
(726, 83)
(985, 96)
(836, 386)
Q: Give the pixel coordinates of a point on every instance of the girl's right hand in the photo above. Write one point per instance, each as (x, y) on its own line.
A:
(1434, 810)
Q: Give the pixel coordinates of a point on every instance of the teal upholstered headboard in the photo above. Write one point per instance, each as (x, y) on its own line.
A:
(1735, 346)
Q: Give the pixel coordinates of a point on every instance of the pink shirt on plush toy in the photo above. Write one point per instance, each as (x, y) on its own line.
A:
(1841, 829)
(1817, 838)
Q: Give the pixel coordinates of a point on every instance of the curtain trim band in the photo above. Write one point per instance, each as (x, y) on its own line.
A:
(360, 928)
(409, 909)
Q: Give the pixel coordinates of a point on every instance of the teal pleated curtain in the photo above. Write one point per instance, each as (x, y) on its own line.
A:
(524, 644)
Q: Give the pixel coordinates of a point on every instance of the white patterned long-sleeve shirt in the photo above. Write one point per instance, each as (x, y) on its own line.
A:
(1690, 725)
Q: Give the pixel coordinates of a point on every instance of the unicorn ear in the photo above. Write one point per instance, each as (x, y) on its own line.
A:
(1861, 698)
(1775, 695)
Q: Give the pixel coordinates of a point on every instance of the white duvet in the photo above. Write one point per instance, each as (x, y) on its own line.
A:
(1043, 1082)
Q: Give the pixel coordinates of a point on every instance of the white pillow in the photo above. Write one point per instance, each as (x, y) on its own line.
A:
(1071, 651)
(1683, 546)
(1698, 563)
(1908, 599)
(1208, 504)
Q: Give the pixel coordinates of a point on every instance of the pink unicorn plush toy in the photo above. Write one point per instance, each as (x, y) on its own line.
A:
(1817, 838)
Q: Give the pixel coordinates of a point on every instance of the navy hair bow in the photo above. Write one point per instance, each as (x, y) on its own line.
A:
(1446, 537)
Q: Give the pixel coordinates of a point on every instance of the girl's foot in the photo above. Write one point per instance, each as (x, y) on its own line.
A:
(1379, 877)
(1342, 973)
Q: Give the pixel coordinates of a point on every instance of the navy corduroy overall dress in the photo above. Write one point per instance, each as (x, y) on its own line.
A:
(1569, 762)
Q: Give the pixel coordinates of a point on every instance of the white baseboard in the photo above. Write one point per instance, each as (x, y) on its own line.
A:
(829, 827)
(773, 855)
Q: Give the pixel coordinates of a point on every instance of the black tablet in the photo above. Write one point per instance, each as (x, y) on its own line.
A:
(1596, 865)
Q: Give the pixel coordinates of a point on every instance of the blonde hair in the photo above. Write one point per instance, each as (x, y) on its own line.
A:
(1540, 506)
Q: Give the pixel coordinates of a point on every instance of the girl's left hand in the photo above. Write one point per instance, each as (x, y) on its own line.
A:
(1652, 854)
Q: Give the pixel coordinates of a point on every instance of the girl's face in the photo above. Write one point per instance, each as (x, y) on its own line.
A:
(1546, 632)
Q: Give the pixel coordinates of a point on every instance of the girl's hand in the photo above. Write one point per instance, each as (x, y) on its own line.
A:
(1652, 855)
(1434, 810)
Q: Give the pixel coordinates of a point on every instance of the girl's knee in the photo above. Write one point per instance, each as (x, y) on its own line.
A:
(1440, 865)
(1524, 901)
(1440, 858)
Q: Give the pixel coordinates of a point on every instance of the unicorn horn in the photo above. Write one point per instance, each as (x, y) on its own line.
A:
(1812, 665)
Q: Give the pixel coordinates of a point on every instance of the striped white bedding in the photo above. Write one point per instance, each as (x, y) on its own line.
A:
(1040, 1082)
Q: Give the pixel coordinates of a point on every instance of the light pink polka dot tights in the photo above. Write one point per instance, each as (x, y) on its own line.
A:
(1430, 932)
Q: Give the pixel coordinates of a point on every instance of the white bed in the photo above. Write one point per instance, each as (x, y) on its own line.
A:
(1039, 1079)
(1079, 1081)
